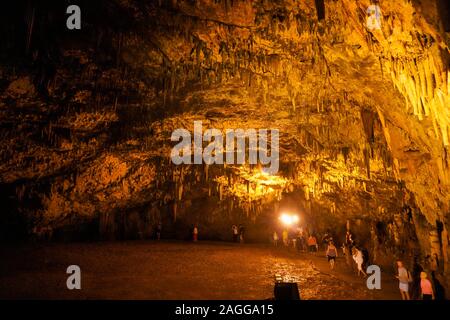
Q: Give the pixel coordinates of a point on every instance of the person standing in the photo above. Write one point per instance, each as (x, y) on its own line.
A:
(426, 287)
(285, 238)
(331, 254)
(312, 243)
(359, 260)
(241, 233)
(299, 240)
(275, 239)
(349, 240)
(404, 278)
(195, 234)
(158, 231)
(235, 231)
(326, 239)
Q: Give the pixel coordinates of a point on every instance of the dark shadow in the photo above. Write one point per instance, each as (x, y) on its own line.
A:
(415, 285)
(320, 8)
(438, 287)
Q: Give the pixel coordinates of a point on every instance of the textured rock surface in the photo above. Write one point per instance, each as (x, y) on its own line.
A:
(364, 120)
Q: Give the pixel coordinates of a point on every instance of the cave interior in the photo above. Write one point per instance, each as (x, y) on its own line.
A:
(87, 115)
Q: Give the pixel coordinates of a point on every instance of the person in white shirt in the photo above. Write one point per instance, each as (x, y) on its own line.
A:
(359, 259)
(404, 278)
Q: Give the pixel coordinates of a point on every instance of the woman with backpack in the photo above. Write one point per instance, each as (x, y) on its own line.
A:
(404, 278)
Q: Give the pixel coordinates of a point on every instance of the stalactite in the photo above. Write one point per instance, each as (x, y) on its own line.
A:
(180, 191)
(30, 22)
(175, 209)
(368, 119)
(421, 82)
(367, 161)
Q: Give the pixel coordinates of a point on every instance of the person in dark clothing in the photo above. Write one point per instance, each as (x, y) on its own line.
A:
(300, 241)
(241, 233)
(349, 239)
(415, 284)
(235, 231)
(366, 257)
(331, 253)
(326, 239)
(158, 231)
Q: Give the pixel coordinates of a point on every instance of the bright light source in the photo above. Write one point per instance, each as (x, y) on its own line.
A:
(289, 219)
(286, 219)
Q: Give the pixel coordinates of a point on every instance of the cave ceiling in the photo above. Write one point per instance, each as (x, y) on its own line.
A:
(363, 119)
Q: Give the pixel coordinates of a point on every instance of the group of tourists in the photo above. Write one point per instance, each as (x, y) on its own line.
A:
(355, 253)
(405, 280)
(157, 229)
(298, 238)
(356, 257)
(301, 240)
(304, 241)
(237, 232)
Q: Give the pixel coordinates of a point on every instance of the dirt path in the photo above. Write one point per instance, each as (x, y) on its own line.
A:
(173, 270)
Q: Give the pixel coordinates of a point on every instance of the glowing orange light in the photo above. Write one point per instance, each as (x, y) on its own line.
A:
(286, 219)
(289, 219)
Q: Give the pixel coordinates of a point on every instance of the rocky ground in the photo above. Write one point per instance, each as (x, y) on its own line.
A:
(176, 270)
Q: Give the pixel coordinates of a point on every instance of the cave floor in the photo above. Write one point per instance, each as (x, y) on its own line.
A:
(175, 270)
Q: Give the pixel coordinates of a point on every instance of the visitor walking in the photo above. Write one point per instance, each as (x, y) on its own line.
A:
(241, 233)
(426, 287)
(326, 239)
(359, 260)
(275, 239)
(292, 238)
(349, 241)
(404, 279)
(312, 243)
(195, 234)
(331, 253)
(235, 232)
(158, 231)
(300, 240)
(285, 236)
